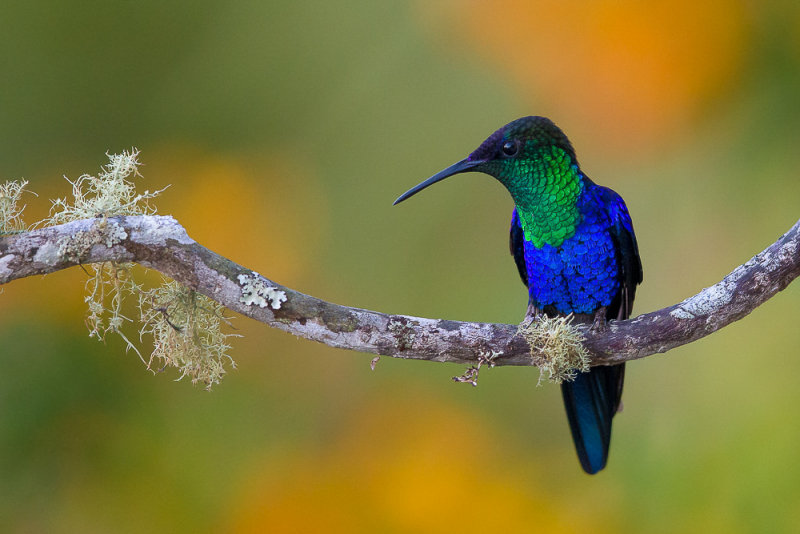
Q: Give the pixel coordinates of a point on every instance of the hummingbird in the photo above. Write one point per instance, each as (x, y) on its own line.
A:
(575, 250)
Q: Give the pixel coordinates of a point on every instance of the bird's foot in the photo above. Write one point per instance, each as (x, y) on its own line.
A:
(599, 325)
(532, 314)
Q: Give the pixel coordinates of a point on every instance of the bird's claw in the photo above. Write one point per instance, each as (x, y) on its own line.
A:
(531, 314)
(599, 325)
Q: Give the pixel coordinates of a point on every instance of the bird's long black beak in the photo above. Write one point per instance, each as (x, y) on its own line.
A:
(465, 165)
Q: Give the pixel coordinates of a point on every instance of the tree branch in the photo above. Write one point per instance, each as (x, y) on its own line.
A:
(160, 243)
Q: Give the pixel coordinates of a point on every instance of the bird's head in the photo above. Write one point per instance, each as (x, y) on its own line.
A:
(517, 154)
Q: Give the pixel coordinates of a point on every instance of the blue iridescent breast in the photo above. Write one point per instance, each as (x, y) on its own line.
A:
(581, 274)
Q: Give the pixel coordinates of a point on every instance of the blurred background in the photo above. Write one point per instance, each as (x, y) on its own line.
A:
(286, 130)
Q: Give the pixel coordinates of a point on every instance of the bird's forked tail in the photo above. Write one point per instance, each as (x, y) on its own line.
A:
(591, 400)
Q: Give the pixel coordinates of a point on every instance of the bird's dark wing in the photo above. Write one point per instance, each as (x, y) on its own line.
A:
(627, 253)
(592, 399)
(516, 243)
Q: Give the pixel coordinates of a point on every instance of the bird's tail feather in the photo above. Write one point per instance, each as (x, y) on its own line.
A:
(591, 401)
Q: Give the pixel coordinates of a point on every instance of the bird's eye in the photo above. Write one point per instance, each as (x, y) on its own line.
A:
(510, 148)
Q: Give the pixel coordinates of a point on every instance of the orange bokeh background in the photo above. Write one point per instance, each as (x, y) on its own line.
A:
(640, 72)
(285, 133)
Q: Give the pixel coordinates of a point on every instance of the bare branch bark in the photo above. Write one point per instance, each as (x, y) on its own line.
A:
(160, 243)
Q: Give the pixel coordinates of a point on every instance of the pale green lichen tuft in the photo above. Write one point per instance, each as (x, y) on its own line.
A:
(186, 327)
(255, 291)
(187, 332)
(108, 194)
(108, 285)
(556, 348)
(10, 209)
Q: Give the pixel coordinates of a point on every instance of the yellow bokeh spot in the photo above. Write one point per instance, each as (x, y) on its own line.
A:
(428, 468)
(265, 213)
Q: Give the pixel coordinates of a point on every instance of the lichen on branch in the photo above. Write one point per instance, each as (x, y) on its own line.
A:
(556, 347)
(11, 206)
(186, 327)
(111, 192)
(255, 291)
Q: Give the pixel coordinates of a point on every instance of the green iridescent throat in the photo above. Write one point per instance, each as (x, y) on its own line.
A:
(545, 186)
